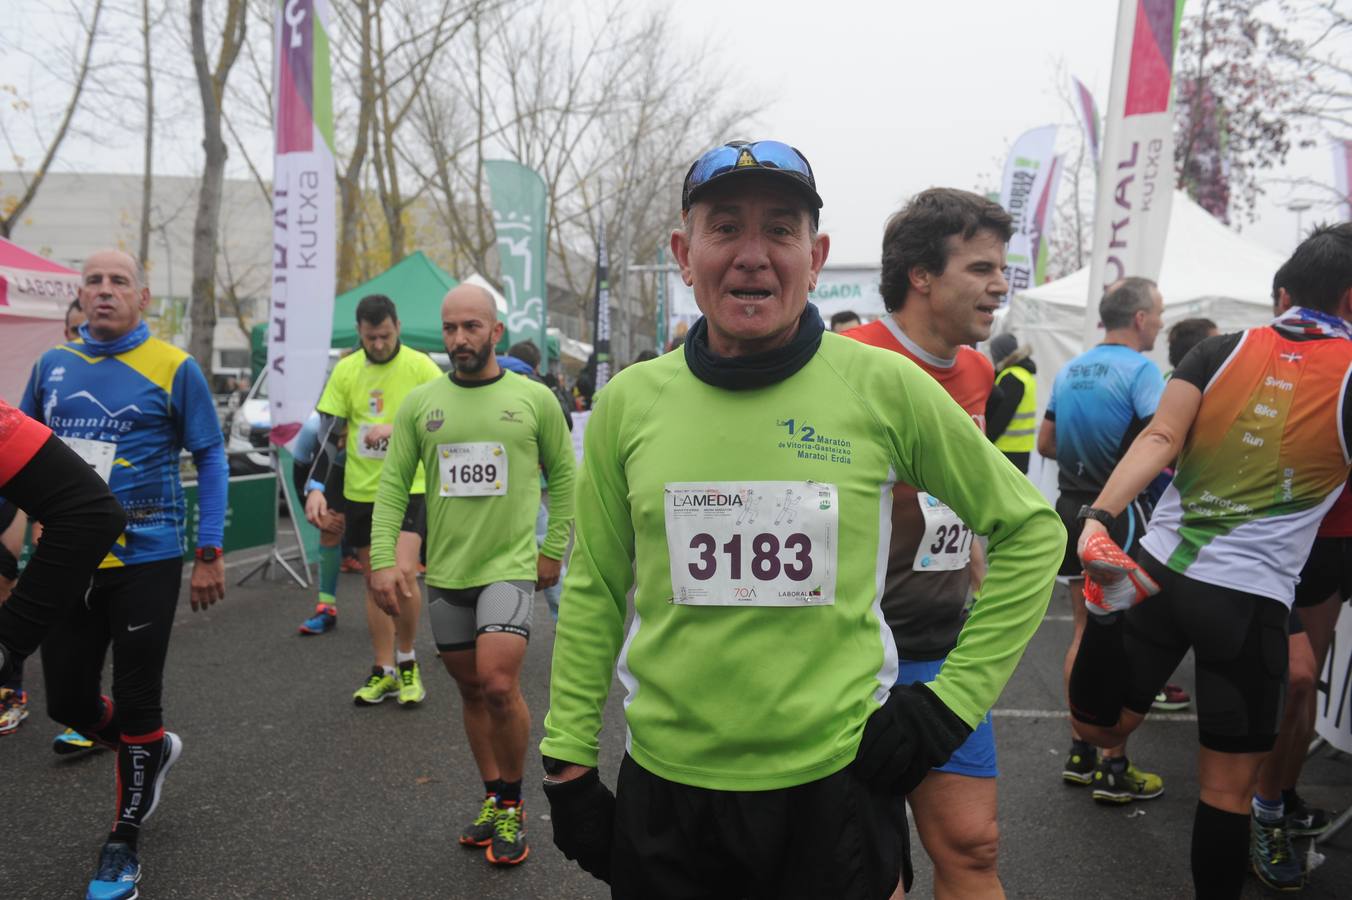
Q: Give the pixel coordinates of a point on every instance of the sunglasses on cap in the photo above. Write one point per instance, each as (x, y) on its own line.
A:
(740, 157)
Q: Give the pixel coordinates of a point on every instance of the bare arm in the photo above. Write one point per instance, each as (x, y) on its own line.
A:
(1155, 448)
(1046, 439)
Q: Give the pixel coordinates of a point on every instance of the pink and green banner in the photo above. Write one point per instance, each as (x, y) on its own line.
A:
(1136, 172)
(303, 215)
(1089, 118)
(1023, 192)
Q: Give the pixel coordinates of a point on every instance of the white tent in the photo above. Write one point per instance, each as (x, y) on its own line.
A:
(1208, 271)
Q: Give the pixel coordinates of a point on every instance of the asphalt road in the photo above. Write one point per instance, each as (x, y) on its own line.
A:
(286, 790)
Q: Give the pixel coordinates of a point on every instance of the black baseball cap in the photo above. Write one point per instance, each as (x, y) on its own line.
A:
(764, 159)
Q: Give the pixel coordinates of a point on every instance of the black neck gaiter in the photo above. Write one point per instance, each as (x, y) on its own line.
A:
(740, 373)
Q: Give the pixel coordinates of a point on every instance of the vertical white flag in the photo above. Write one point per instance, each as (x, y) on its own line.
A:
(1342, 178)
(1030, 164)
(301, 318)
(1136, 174)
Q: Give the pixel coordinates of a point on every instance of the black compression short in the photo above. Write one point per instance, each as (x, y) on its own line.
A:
(1126, 530)
(358, 530)
(1239, 641)
(1328, 570)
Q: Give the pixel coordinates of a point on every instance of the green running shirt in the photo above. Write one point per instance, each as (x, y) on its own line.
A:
(745, 696)
(365, 394)
(481, 446)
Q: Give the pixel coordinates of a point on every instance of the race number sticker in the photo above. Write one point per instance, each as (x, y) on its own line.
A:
(472, 470)
(365, 450)
(947, 543)
(755, 543)
(98, 454)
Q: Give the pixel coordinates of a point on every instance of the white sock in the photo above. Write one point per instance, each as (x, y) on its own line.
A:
(389, 670)
(401, 657)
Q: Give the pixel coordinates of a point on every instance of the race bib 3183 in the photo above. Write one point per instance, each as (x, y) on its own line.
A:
(753, 543)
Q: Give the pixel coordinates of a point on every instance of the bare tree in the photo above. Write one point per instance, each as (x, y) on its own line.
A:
(211, 85)
(148, 158)
(609, 113)
(12, 214)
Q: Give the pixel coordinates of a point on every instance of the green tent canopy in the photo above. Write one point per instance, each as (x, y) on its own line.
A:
(416, 285)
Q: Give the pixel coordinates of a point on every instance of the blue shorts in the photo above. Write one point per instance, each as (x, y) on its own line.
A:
(976, 757)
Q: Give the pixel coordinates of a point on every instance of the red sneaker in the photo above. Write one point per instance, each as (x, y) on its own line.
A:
(352, 565)
(1113, 580)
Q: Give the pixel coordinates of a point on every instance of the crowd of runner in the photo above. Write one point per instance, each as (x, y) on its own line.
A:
(813, 557)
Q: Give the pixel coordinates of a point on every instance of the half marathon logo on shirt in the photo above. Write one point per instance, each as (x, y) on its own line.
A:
(801, 438)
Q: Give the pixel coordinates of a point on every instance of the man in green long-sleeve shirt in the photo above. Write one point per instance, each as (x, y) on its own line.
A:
(743, 485)
(482, 435)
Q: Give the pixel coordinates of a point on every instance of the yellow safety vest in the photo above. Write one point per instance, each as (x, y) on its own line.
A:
(1018, 437)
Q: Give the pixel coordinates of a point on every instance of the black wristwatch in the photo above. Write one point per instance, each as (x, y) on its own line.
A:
(554, 766)
(208, 554)
(1099, 515)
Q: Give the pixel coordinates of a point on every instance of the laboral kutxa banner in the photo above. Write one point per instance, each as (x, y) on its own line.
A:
(301, 318)
(1136, 172)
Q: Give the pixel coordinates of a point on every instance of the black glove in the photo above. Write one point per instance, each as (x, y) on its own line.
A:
(583, 813)
(910, 734)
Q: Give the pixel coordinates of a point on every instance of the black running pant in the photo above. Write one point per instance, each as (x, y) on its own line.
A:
(834, 838)
(80, 520)
(131, 608)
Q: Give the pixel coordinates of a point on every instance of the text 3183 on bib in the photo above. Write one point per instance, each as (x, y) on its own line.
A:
(752, 543)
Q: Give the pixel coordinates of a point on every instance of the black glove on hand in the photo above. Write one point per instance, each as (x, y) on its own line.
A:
(583, 813)
(910, 734)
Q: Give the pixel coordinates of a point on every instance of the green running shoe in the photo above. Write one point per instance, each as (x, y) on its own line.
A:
(1113, 787)
(1079, 766)
(479, 833)
(377, 688)
(1272, 857)
(411, 691)
(508, 846)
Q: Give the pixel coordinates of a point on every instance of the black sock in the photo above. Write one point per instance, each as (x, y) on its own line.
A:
(493, 787)
(1098, 677)
(1220, 852)
(510, 793)
(138, 764)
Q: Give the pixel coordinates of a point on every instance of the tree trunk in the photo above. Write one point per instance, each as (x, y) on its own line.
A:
(349, 184)
(207, 223)
(143, 247)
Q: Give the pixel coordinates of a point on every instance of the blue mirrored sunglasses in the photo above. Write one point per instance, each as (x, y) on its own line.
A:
(766, 154)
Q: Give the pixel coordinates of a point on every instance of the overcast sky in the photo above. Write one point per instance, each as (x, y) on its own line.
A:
(888, 98)
(884, 98)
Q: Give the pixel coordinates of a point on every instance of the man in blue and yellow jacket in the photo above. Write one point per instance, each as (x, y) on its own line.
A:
(127, 403)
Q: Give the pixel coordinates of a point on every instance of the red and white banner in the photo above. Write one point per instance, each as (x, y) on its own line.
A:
(303, 214)
(1028, 172)
(1136, 172)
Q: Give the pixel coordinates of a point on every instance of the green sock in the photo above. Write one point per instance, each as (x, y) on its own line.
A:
(330, 558)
